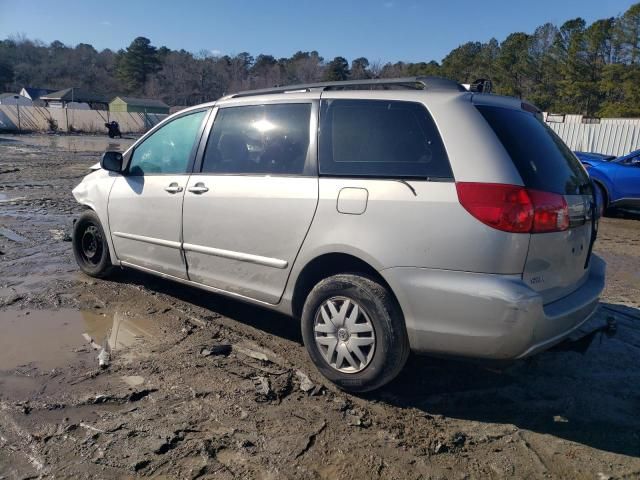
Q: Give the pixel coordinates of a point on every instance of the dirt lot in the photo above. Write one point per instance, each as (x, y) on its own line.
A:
(169, 407)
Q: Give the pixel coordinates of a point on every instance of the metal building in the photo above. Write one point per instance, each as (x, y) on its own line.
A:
(139, 105)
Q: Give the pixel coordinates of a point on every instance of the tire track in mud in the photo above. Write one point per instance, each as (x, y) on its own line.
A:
(22, 443)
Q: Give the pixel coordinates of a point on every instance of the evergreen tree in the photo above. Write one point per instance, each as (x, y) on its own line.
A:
(430, 69)
(593, 69)
(359, 68)
(514, 65)
(569, 48)
(337, 69)
(137, 63)
(460, 64)
(629, 35)
(544, 66)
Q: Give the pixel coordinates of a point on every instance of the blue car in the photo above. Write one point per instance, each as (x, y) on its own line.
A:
(617, 180)
(598, 157)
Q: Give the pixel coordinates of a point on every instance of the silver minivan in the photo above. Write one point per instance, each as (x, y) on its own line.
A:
(388, 216)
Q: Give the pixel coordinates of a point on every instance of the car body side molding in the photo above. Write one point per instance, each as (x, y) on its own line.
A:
(152, 240)
(240, 256)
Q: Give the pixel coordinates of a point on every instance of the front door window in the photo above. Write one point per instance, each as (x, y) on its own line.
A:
(169, 149)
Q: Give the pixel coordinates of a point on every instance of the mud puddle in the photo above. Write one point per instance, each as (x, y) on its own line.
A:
(49, 339)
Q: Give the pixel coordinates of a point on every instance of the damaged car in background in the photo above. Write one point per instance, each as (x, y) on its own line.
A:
(617, 180)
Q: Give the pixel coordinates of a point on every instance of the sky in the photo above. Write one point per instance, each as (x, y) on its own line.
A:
(381, 30)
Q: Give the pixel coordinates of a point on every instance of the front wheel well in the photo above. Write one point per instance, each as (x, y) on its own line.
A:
(83, 208)
(326, 266)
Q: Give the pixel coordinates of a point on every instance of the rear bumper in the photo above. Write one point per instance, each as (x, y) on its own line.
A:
(488, 316)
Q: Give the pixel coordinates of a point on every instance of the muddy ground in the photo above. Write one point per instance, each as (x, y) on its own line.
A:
(170, 407)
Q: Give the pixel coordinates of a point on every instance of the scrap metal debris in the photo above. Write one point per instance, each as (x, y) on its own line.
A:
(104, 357)
(91, 342)
(263, 389)
(223, 349)
(251, 353)
(306, 385)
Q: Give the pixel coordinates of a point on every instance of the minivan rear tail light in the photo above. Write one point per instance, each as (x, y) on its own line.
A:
(505, 207)
(513, 208)
(550, 212)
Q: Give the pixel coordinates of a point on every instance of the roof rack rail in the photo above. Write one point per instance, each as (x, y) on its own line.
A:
(414, 83)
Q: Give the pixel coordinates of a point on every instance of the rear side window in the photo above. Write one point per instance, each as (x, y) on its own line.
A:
(380, 138)
(259, 139)
(541, 157)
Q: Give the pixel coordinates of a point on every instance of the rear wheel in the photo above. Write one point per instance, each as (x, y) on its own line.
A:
(354, 332)
(90, 246)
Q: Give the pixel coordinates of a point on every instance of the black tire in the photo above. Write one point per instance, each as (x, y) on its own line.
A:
(391, 348)
(90, 246)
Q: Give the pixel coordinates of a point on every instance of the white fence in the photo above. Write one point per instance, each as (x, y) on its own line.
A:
(40, 119)
(612, 136)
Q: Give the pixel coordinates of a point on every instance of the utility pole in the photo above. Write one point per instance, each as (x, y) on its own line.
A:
(73, 117)
(17, 97)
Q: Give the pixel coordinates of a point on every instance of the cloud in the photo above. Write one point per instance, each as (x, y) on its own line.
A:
(106, 23)
(216, 53)
(388, 4)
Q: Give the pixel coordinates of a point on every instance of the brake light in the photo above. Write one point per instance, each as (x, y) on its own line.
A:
(513, 208)
(550, 212)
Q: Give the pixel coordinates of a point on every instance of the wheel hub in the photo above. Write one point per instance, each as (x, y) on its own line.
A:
(90, 247)
(344, 334)
(89, 243)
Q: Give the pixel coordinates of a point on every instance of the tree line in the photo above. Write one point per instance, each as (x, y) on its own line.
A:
(592, 69)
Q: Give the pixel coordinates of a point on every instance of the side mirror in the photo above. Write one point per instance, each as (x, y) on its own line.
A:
(112, 161)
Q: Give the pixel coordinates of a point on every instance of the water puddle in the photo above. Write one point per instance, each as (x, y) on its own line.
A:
(50, 339)
(76, 143)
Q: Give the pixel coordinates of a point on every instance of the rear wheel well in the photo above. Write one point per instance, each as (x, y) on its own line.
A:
(326, 266)
(605, 193)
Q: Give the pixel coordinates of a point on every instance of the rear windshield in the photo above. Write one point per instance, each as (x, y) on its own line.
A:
(541, 157)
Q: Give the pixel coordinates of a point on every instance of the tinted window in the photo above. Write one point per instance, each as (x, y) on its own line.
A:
(167, 150)
(633, 160)
(541, 157)
(380, 138)
(259, 139)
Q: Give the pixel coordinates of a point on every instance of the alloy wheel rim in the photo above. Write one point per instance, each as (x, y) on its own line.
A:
(344, 334)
